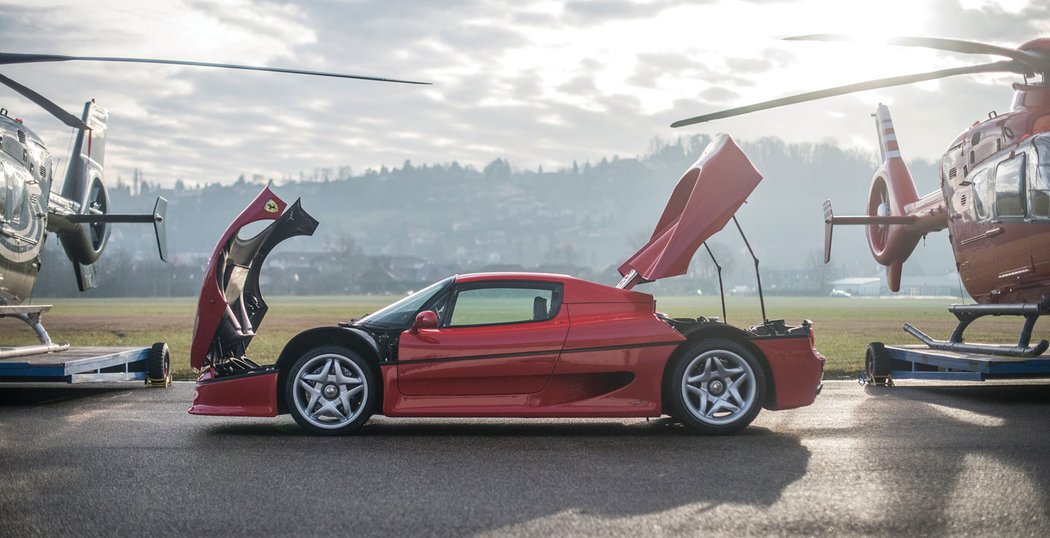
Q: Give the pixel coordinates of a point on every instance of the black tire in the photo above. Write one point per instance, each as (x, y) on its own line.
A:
(727, 390)
(877, 364)
(330, 390)
(158, 365)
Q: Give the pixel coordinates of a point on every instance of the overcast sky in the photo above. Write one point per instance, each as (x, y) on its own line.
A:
(533, 81)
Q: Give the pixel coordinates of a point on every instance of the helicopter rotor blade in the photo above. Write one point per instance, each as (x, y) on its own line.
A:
(45, 103)
(949, 45)
(995, 67)
(7, 58)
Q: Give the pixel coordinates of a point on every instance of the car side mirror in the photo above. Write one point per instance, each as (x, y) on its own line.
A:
(426, 319)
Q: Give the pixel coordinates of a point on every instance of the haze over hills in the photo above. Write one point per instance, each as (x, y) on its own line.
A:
(441, 218)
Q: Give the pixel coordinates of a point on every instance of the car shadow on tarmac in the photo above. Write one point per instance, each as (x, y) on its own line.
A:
(534, 468)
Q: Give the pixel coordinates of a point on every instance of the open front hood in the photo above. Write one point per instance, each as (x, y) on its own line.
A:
(704, 200)
(231, 306)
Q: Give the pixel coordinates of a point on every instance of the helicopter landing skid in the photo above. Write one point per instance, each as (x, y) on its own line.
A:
(967, 314)
(956, 360)
(31, 315)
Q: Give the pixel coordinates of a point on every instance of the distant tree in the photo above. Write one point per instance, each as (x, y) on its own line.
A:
(561, 254)
(497, 169)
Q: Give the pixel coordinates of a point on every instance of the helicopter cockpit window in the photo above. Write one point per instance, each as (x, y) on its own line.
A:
(982, 194)
(13, 147)
(1009, 187)
(1039, 183)
(14, 194)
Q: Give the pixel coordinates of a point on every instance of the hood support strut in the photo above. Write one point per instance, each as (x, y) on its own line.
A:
(758, 277)
(721, 288)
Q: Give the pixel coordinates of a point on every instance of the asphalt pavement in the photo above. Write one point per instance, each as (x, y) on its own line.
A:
(907, 460)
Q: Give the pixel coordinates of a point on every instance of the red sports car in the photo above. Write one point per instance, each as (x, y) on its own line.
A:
(508, 344)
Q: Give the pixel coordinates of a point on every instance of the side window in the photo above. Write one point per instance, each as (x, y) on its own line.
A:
(982, 194)
(1039, 182)
(1009, 187)
(502, 304)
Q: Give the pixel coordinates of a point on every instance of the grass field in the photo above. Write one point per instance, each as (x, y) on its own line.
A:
(843, 327)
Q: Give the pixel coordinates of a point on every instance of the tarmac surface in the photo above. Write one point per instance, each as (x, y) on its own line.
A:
(907, 460)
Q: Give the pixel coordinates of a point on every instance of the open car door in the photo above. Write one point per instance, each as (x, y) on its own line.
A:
(491, 338)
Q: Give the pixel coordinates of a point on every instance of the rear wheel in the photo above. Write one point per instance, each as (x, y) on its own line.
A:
(717, 387)
(330, 391)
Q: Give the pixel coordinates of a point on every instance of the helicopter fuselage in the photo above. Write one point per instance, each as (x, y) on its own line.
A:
(995, 182)
(26, 174)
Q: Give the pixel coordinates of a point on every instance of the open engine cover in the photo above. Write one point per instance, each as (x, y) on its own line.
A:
(231, 306)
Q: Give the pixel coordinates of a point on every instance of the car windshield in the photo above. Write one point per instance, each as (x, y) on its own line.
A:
(403, 312)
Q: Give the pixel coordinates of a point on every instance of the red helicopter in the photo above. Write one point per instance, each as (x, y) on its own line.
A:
(994, 195)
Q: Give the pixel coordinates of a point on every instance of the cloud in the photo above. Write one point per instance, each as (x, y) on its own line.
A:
(719, 95)
(536, 82)
(599, 11)
(991, 22)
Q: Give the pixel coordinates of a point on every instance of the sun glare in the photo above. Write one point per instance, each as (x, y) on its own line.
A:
(674, 53)
(1005, 5)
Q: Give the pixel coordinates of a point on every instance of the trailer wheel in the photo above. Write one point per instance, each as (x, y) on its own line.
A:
(877, 365)
(717, 387)
(330, 390)
(158, 365)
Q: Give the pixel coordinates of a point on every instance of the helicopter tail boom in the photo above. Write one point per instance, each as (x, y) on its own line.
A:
(896, 217)
(86, 193)
(80, 215)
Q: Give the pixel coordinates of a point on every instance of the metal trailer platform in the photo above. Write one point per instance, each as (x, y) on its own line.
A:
(82, 365)
(920, 362)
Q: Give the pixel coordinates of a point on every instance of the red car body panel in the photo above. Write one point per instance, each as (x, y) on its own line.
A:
(796, 367)
(601, 325)
(247, 396)
(582, 385)
(703, 201)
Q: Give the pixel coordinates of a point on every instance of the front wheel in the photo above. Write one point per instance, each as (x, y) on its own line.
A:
(330, 391)
(717, 387)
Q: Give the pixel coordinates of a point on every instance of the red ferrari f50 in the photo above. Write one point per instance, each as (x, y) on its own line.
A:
(508, 344)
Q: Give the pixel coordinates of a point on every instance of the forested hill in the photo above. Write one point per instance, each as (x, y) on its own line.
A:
(590, 215)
